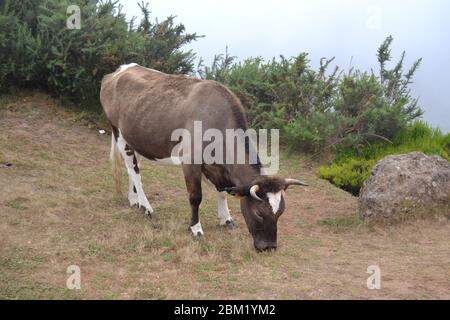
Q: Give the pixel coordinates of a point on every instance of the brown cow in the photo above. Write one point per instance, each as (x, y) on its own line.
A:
(145, 106)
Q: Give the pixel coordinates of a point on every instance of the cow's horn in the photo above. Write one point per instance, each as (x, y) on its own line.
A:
(294, 181)
(253, 191)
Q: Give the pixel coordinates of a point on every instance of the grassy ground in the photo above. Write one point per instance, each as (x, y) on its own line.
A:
(57, 209)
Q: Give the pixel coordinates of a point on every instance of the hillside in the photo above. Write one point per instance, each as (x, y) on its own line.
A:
(57, 208)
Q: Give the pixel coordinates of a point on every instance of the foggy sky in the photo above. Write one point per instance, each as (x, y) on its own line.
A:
(326, 28)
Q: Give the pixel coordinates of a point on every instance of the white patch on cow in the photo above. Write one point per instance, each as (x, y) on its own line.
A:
(124, 67)
(274, 200)
(222, 204)
(135, 178)
(196, 229)
(222, 208)
(132, 196)
(172, 161)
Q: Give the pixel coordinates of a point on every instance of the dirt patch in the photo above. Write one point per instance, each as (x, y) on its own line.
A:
(57, 209)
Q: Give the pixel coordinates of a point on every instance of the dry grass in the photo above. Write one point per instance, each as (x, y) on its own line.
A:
(57, 209)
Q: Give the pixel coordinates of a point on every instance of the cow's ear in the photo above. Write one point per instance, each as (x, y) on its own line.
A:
(238, 191)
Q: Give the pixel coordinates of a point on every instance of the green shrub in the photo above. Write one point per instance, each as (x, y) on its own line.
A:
(315, 110)
(38, 50)
(319, 110)
(352, 166)
(311, 133)
(349, 175)
(418, 136)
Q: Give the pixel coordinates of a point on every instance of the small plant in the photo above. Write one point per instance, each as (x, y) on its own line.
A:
(352, 167)
(342, 223)
(349, 175)
(18, 203)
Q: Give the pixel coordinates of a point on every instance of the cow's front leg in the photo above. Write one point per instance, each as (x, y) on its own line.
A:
(223, 212)
(193, 178)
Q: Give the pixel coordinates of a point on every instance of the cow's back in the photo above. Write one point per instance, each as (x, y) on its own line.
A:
(136, 90)
(147, 106)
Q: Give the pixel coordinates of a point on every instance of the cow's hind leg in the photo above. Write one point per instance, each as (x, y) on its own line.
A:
(136, 195)
(132, 193)
(193, 179)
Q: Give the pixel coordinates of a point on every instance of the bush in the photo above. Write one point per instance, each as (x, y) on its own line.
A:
(38, 50)
(349, 175)
(417, 136)
(321, 110)
(352, 167)
(310, 133)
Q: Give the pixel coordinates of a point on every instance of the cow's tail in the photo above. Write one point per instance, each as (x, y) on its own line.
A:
(116, 165)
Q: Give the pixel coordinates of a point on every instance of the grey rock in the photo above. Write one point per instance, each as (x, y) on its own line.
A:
(407, 184)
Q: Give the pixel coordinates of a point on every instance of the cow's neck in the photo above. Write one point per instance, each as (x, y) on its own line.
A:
(243, 176)
(235, 175)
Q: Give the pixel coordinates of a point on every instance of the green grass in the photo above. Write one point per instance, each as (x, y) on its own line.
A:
(70, 216)
(93, 250)
(18, 203)
(348, 175)
(419, 136)
(343, 223)
(352, 167)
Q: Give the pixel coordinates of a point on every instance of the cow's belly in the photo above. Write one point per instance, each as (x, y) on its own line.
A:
(149, 141)
(171, 161)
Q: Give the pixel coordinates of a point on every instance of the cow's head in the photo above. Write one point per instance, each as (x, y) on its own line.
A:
(262, 203)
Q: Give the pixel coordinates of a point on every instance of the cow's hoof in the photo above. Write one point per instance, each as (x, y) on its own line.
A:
(231, 225)
(147, 212)
(196, 230)
(134, 203)
(197, 236)
(145, 207)
(133, 200)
